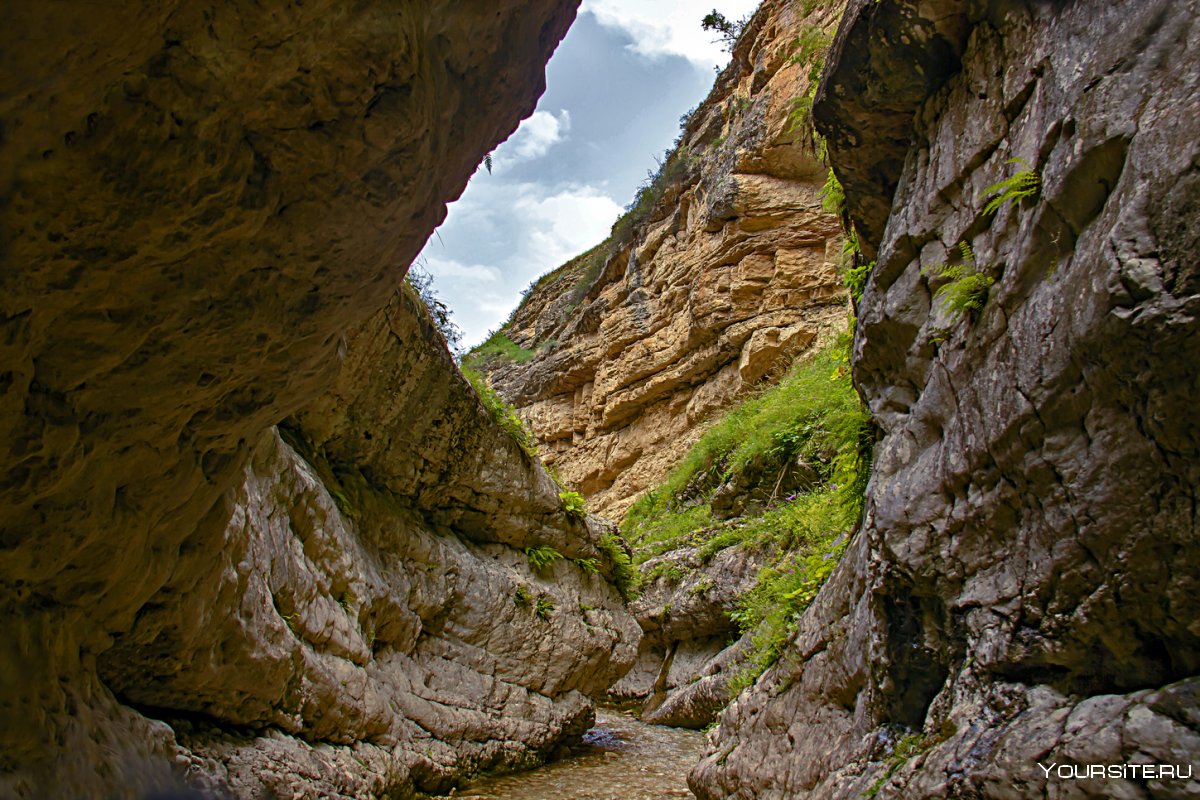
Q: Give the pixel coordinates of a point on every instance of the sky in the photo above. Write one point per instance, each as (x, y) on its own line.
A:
(615, 91)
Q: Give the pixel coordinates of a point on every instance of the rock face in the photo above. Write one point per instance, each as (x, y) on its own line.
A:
(206, 211)
(691, 648)
(732, 275)
(1024, 588)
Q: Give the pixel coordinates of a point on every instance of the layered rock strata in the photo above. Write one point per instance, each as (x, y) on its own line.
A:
(206, 211)
(731, 275)
(1023, 590)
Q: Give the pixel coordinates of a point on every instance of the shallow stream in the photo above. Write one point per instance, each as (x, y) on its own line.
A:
(621, 759)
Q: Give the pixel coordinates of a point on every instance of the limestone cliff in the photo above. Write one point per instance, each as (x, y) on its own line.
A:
(723, 272)
(207, 212)
(1023, 590)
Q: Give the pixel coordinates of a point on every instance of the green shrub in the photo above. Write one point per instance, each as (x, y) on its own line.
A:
(420, 282)
(966, 289)
(542, 558)
(504, 414)
(521, 597)
(673, 169)
(543, 607)
(727, 30)
(574, 504)
(1024, 183)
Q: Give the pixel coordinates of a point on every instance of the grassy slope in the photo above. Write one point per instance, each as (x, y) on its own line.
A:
(813, 414)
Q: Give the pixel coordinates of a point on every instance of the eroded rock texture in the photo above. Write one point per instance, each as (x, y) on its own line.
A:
(733, 275)
(691, 648)
(206, 210)
(1024, 589)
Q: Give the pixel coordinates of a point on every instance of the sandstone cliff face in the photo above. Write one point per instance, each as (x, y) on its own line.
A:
(1024, 588)
(732, 276)
(204, 210)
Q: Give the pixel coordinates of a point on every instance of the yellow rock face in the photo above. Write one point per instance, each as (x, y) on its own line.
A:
(733, 275)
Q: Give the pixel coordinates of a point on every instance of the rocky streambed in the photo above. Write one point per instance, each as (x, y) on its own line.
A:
(621, 758)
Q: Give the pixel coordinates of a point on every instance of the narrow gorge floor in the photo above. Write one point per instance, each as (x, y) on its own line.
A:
(621, 759)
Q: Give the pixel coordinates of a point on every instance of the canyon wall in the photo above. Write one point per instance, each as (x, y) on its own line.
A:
(207, 212)
(1023, 589)
(728, 274)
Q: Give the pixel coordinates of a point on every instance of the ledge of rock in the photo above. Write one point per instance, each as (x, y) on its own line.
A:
(1023, 589)
(206, 211)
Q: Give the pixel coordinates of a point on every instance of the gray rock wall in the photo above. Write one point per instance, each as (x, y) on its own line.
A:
(1024, 588)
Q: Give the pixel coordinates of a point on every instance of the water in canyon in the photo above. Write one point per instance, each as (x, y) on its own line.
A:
(621, 759)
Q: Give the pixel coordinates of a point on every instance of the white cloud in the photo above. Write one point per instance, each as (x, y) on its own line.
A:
(524, 230)
(448, 268)
(534, 138)
(565, 224)
(670, 27)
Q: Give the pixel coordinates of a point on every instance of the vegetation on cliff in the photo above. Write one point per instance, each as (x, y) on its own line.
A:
(809, 433)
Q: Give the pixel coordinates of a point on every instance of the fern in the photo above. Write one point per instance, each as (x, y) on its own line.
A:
(574, 504)
(967, 286)
(801, 113)
(589, 565)
(810, 46)
(1025, 183)
(833, 199)
(541, 558)
(856, 279)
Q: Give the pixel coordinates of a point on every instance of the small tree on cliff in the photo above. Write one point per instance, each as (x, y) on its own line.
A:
(727, 30)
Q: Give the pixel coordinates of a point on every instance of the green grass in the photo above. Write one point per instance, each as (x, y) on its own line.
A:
(814, 413)
(504, 414)
(497, 347)
(656, 534)
(769, 612)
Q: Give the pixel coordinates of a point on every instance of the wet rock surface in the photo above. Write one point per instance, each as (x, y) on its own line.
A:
(207, 216)
(1023, 590)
